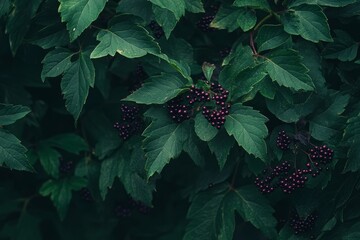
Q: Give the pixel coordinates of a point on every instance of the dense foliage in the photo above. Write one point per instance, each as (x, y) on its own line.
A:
(182, 119)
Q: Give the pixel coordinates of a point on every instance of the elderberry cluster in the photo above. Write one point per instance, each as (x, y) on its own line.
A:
(122, 211)
(127, 209)
(320, 157)
(322, 154)
(197, 95)
(294, 181)
(287, 180)
(66, 167)
(283, 140)
(178, 110)
(269, 182)
(181, 108)
(204, 23)
(85, 194)
(216, 117)
(156, 29)
(139, 206)
(303, 225)
(130, 121)
(224, 52)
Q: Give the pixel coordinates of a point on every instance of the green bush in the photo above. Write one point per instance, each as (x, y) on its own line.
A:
(182, 119)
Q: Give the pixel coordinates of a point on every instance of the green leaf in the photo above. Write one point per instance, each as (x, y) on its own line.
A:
(158, 90)
(140, 8)
(127, 39)
(107, 145)
(352, 138)
(348, 11)
(79, 14)
(249, 129)
(208, 70)
(135, 185)
(254, 207)
(263, 4)
(49, 159)
(202, 214)
(211, 214)
(270, 37)
(76, 82)
(194, 6)
(110, 168)
(53, 35)
(69, 142)
(232, 18)
(195, 149)
(166, 19)
(164, 141)
(176, 7)
(312, 60)
(56, 62)
(230, 77)
(290, 108)
(13, 153)
(308, 21)
(248, 81)
(4, 7)
(326, 124)
(60, 192)
(19, 21)
(329, 3)
(220, 146)
(129, 167)
(343, 48)
(203, 129)
(11, 113)
(284, 66)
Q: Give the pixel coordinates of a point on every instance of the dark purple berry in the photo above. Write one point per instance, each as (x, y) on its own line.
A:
(130, 123)
(156, 29)
(268, 183)
(321, 154)
(123, 211)
(292, 182)
(204, 23)
(86, 195)
(66, 167)
(224, 52)
(302, 225)
(178, 110)
(217, 117)
(283, 140)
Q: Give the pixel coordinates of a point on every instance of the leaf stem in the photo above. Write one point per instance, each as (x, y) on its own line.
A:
(252, 44)
(262, 21)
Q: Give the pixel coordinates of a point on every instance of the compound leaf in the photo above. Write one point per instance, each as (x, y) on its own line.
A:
(232, 18)
(308, 21)
(56, 62)
(60, 192)
(176, 7)
(164, 141)
(127, 39)
(11, 113)
(284, 67)
(13, 153)
(158, 90)
(75, 84)
(79, 14)
(249, 129)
